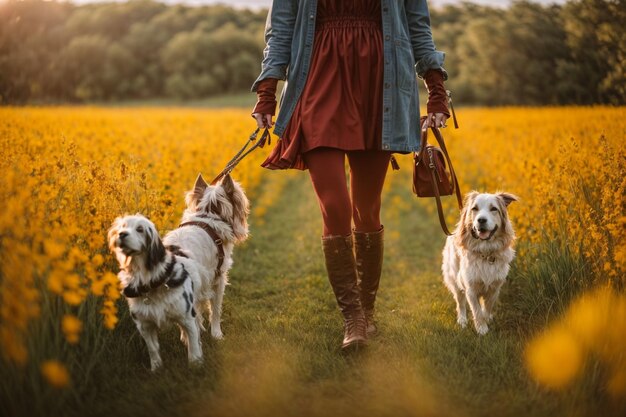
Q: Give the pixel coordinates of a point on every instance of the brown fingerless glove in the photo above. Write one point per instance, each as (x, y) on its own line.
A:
(437, 97)
(266, 97)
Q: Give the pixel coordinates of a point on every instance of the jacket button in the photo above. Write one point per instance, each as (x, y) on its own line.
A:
(311, 16)
(387, 85)
(385, 146)
(387, 37)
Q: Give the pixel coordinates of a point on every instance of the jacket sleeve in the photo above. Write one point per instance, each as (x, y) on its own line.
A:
(279, 28)
(426, 56)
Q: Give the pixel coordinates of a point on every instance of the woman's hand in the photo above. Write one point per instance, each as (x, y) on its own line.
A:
(265, 107)
(437, 106)
(435, 120)
(263, 120)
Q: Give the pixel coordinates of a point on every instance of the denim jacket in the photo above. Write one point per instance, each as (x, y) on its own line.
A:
(408, 49)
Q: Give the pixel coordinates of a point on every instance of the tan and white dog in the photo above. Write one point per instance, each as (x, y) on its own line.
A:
(477, 257)
(180, 277)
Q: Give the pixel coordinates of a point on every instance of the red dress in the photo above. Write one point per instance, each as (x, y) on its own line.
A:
(341, 104)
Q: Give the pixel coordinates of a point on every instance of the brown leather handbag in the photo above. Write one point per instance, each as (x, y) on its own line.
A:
(433, 174)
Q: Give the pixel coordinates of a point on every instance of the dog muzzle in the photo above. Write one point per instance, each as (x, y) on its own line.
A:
(476, 235)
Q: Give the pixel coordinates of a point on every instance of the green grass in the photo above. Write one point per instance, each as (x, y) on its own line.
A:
(281, 353)
(244, 99)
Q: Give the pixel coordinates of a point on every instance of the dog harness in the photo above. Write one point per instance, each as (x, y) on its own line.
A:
(214, 237)
(165, 278)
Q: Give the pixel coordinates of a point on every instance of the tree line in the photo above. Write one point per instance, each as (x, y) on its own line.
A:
(526, 54)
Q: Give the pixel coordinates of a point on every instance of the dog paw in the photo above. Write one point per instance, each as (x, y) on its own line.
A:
(155, 365)
(462, 321)
(482, 329)
(217, 334)
(489, 318)
(196, 362)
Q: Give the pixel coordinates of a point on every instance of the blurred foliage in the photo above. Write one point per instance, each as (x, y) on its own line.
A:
(139, 49)
(531, 54)
(526, 54)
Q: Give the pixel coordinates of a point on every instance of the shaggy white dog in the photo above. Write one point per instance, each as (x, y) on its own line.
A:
(477, 256)
(184, 275)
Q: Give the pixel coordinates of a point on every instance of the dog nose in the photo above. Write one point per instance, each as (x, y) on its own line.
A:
(122, 235)
(482, 220)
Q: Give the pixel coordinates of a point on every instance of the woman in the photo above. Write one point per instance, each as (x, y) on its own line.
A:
(351, 91)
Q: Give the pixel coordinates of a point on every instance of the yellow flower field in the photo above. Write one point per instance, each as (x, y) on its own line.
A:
(68, 172)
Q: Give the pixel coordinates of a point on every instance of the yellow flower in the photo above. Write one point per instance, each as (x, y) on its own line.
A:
(53, 249)
(71, 327)
(55, 282)
(55, 373)
(13, 347)
(554, 358)
(593, 327)
(73, 298)
(110, 318)
(97, 260)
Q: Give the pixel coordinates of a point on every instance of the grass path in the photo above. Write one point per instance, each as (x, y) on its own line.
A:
(282, 327)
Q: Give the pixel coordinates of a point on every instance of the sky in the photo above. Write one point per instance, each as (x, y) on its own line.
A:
(255, 4)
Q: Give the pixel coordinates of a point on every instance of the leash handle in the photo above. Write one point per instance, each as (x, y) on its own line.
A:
(449, 94)
(265, 138)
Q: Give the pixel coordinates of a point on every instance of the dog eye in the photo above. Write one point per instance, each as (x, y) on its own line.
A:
(140, 229)
(474, 208)
(494, 209)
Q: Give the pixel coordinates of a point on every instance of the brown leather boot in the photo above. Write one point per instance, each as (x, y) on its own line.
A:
(342, 275)
(369, 264)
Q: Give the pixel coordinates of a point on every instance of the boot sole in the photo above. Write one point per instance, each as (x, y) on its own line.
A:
(354, 346)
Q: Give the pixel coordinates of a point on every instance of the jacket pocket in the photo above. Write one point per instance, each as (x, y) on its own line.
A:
(405, 71)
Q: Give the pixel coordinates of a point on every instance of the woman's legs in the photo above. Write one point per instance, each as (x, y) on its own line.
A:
(368, 170)
(367, 176)
(326, 167)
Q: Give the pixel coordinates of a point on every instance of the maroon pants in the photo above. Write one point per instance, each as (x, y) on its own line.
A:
(338, 205)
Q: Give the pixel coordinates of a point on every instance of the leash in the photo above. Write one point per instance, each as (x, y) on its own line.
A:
(265, 138)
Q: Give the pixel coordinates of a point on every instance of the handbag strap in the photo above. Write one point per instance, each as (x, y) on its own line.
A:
(442, 219)
(455, 183)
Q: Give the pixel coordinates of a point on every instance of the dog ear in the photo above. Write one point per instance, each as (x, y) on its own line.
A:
(200, 184)
(195, 195)
(504, 199)
(241, 207)
(464, 227)
(469, 198)
(112, 234)
(228, 185)
(155, 250)
(507, 198)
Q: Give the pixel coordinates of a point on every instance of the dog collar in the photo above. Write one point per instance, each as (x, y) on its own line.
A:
(491, 258)
(164, 278)
(475, 236)
(214, 214)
